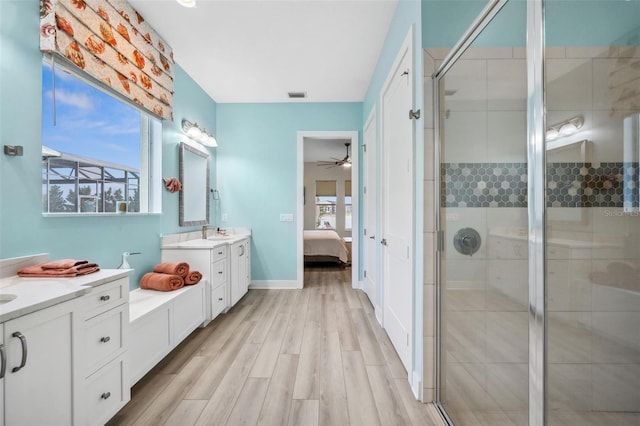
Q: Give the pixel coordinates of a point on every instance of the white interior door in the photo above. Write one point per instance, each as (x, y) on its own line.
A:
(397, 192)
(370, 200)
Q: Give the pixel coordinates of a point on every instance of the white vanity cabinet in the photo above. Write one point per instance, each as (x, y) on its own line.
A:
(38, 382)
(213, 264)
(240, 269)
(103, 332)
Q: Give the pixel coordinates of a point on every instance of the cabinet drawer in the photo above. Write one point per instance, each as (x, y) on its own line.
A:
(104, 337)
(218, 253)
(219, 270)
(218, 300)
(105, 393)
(106, 296)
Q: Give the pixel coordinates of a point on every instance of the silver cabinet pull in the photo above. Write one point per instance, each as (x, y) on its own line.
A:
(105, 298)
(220, 299)
(383, 241)
(220, 253)
(105, 339)
(220, 272)
(23, 342)
(106, 395)
(3, 361)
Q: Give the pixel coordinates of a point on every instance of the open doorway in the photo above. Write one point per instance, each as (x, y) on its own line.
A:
(327, 204)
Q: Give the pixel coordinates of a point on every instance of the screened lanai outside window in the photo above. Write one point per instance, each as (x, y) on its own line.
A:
(96, 148)
(326, 201)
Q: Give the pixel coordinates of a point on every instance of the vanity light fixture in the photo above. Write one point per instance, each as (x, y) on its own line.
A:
(187, 3)
(565, 128)
(198, 134)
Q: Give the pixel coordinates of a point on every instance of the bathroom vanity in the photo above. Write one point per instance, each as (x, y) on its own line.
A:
(223, 260)
(63, 346)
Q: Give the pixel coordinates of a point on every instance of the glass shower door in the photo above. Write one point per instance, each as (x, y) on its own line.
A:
(483, 356)
(592, 85)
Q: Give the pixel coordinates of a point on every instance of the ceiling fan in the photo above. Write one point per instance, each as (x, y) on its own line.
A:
(345, 162)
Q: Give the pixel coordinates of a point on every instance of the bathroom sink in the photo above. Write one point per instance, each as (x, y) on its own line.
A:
(4, 298)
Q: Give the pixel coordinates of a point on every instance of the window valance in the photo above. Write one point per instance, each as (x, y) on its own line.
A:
(111, 41)
(325, 188)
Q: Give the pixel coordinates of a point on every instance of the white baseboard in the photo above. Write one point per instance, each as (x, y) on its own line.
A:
(360, 285)
(274, 285)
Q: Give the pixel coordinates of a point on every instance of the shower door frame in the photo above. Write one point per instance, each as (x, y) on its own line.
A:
(536, 181)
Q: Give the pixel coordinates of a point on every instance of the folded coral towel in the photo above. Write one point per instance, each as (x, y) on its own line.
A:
(181, 268)
(63, 264)
(161, 282)
(193, 277)
(74, 271)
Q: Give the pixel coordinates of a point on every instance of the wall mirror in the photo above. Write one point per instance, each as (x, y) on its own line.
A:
(194, 175)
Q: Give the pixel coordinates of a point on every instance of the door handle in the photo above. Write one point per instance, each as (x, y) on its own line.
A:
(23, 342)
(383, 242)
(3, 361)
(373, 237)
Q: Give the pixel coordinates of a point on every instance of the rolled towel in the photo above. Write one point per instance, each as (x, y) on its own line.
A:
(161, 282)
(63, 264)
(181, 268)
(193, 277)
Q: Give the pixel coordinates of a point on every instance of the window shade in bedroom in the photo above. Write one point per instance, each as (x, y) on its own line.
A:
(347, 188)
(325, 188)
(111, 42)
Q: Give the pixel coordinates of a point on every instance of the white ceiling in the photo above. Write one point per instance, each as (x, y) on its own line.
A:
(257, 51)
(324, 149)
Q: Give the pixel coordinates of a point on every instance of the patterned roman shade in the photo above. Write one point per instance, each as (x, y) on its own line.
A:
(111, 42)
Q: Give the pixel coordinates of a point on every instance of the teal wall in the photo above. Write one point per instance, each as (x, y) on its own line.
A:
(445, 21)
(23, 229)
(257, 173)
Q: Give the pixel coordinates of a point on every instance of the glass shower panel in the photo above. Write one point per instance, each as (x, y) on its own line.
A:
(592, 88)
(483, 212)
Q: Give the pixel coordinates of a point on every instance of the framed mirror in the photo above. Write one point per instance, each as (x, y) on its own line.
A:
(194, 196)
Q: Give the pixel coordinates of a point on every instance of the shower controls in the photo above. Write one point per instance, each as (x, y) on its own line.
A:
(467, 241)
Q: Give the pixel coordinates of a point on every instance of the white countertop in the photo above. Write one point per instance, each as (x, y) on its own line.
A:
(34, 294)
(209, 243)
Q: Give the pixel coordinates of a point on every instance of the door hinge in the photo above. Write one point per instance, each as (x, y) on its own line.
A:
(365, 273)
(364, 189)
(440, 241)
(364, 147)
(364, 231)
(414, 114)
(407, 339)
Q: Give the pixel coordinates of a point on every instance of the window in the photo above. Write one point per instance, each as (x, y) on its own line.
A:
(347, 205)
(99, 156)
(326, 201)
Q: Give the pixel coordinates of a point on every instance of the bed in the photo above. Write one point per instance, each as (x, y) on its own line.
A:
(324, 245)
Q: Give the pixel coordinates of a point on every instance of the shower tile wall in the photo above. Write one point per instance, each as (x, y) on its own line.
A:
(593, 264)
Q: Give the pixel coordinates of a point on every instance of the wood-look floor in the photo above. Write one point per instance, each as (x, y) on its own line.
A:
(315, 356)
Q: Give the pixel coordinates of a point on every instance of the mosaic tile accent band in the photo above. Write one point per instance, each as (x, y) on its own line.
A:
(568, 185)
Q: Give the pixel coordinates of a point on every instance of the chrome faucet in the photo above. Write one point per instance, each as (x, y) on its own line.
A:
(205, 228)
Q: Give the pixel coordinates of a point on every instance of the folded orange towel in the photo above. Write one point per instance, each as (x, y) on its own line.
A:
(193, 277)
(181, 268)
(63, 264)
(39, 271)
(161, 282)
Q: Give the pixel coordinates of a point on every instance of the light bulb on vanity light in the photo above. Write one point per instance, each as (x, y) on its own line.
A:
(187, 3)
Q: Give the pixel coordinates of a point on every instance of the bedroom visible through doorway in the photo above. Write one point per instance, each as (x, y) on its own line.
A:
(327, 206)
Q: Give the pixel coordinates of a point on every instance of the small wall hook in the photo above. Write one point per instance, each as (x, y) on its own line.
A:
(13, 150)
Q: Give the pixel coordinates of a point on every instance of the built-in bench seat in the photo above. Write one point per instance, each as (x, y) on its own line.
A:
(159, 321)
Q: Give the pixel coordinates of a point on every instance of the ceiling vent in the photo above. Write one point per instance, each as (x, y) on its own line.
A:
(297, 95)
